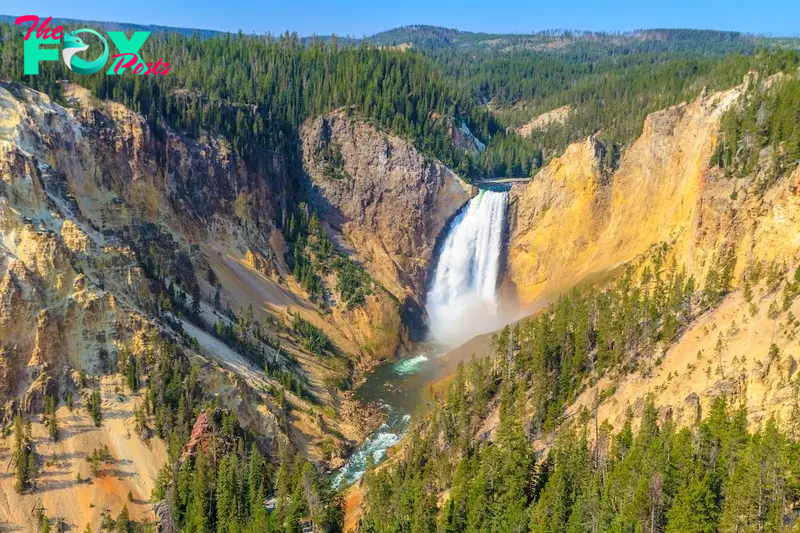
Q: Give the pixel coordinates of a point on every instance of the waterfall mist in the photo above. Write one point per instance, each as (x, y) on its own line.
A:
(462, 301)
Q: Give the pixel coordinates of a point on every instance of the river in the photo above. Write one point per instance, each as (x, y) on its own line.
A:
(400, 387)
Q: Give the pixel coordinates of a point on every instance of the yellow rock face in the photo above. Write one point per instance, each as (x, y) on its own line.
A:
(577, 219)
(556, 220)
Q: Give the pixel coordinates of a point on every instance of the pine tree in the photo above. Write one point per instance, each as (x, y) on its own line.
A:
(694, 509)
(20, 457)
(123, 522)
(32, 469)
(196, 308)
(132, 374)
(94, 406)
(51, 420)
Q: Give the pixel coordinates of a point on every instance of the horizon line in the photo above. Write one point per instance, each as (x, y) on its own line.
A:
(415, 25)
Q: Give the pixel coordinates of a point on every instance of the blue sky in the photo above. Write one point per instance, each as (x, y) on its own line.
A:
(365, 17)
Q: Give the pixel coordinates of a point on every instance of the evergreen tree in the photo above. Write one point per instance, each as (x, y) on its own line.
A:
(94, 406)
(694, 508)
(51, 420)
(20, 457)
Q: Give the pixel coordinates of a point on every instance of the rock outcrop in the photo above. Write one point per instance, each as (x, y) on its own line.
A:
(385, 202)
(558, 115)
(578, 219)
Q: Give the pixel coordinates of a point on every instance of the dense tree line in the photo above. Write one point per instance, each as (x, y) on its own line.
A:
(717, 476)
(257, 90)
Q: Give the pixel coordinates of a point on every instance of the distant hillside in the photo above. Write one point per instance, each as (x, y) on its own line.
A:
(560, 41)
(639, 41)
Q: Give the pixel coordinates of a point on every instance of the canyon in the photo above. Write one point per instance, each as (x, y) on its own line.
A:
(102, 214)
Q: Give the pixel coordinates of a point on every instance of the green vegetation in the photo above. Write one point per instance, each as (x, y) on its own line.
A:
(590, 331)
(94, 404)
(610, 99)
(313, 338)
(330, 154)
(719, 278)
(256, 90)
(306, 271)
(590, 46)
(353, 283)
(247, 336)
(129, 367)
(98, 458)
(770, 119)
(50, 418)
(315, 256)
(229, 493)
(289, 382)
(714, 476)
(222, 482)
(26, 465)
(312, 249)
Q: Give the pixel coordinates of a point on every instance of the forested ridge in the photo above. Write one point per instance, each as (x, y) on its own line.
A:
(257, 90)
(610, 80)
(470, 463)
(609, 97)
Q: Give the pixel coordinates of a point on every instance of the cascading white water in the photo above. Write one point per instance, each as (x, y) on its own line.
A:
(462, 301)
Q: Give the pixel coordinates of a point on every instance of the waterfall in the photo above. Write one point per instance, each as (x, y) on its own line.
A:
(462, 301)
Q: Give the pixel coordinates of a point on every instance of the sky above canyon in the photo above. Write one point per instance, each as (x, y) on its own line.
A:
(365, 17)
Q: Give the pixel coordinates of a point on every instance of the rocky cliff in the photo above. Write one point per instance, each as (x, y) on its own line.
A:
(382, 200)
(578, 219)
(114, 232)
